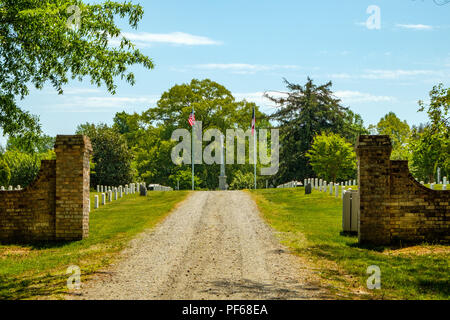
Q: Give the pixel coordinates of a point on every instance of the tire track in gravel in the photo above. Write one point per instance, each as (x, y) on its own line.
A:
(213, 246)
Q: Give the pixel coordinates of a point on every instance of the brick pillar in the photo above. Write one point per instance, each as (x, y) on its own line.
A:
(72, 187)
(374, 154)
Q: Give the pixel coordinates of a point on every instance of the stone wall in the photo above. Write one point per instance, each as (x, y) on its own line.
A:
(56, 205)
(393, 205)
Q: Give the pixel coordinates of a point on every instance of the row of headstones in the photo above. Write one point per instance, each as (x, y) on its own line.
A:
(331, 188)
(10, 188)
(292, 184)
(108, 194)
(157, 187)
(444, 184)
(128, 189)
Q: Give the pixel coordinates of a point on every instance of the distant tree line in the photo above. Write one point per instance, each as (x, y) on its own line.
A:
(317, 138)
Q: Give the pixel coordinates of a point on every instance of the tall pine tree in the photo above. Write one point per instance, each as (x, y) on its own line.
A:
(308, 110)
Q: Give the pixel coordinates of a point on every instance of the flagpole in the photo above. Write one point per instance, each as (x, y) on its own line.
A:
(193, 137)
(254, 147)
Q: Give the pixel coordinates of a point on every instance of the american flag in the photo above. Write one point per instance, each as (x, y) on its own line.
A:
(253, 121)
(192, 118)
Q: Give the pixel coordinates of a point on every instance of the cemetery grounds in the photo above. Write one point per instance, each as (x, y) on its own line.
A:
(311, 226)
(308, 225)
(38, 271)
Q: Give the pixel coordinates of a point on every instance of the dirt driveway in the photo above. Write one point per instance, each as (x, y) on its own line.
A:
(213, 246)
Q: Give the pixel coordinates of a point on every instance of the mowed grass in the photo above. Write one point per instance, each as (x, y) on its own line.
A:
(311, 227)
(438, 186)
(38, 271)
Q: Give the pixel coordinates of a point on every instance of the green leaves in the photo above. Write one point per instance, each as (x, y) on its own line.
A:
(306, 111)
(399, 132)
(332, 158)
(33, 144)
(5, 173)
(37, 47)
(112, 158)
(242, 181)
(24, 167)
(149, 134)
(430, 149)
(14, 121)
(439, 107)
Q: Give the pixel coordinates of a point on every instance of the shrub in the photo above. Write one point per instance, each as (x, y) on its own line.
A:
(5, 173)
(242, 181)
(24, 167)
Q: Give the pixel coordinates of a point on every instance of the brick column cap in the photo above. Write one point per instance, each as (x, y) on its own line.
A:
(373, 142)
(73, 140)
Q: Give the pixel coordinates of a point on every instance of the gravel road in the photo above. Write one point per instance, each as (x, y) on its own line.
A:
(213, 246)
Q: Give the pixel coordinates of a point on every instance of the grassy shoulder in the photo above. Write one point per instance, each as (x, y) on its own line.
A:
(311, 227)
(38, 271)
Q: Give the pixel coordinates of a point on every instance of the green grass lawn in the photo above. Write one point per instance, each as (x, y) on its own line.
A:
(38, 271)
(437, 186)
(311, 226)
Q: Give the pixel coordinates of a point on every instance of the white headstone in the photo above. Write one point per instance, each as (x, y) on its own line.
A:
(10, 188)
(2, 188)
(432, 186)
(445, 180)
(110, 196)
(103, 199)
(331, 188)
(444, 187)
(95, 202)
(98, 188)
(336, 187)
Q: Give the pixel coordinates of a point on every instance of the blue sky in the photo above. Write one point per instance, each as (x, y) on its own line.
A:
(249, 46)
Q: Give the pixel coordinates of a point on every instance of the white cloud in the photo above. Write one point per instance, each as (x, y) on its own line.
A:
(395, 74)
(383, 74)
(348, 96)
(414, 26)
(266, 105)
(145, 39)
(244, 68)
(103, 103)
(80, 90)
(341, 76)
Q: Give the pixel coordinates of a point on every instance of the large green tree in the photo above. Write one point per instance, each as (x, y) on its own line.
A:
(429, 152)
(112, 158)
(49, 41)
(149, 134)
(308, 110)
(332, 158)
(398, 130)
(24, 167)
(430, 149)
(40, 144)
